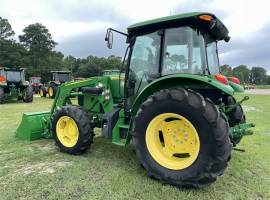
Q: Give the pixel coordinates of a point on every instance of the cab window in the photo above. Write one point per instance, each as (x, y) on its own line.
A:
(144, 61)
(183, 51)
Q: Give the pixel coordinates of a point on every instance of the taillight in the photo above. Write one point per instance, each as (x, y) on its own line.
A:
(221, 78)
(235, 80)
(2, 79)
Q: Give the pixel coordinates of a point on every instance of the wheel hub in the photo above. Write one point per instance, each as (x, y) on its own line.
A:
(172, 141)
(67, 131)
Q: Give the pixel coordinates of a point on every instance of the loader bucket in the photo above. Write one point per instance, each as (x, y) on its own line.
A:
(34, 126)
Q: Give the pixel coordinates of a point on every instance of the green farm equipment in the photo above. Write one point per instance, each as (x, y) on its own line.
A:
(58, 78)
(171, 103)
(14, 86)
(110, 72)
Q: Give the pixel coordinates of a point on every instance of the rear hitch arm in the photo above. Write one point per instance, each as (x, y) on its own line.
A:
(231, 108)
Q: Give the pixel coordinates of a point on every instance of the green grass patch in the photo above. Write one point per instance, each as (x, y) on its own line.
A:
(262, 86)
(37, 170)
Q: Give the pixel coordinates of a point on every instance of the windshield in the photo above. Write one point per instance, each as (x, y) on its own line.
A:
(2, 73)
(14, 76)
(62, 77)
(183, 51)
(35, 80)
(212, 55)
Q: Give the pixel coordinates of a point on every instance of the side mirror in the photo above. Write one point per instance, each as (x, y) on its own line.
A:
(109, 38)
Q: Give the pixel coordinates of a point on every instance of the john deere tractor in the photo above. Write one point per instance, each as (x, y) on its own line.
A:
(58, 78)
(14, 86)
(172, 103)
(110, 72)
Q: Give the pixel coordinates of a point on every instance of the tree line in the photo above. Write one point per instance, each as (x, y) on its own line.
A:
(34, 51)
(255, 75)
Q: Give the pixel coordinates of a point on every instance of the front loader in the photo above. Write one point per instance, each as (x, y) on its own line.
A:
(171, 102)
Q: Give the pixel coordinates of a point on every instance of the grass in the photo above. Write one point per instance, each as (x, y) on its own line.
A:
(37, 170)
(262, 87)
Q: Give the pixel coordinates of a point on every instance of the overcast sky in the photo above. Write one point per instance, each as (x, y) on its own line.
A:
(79, 26)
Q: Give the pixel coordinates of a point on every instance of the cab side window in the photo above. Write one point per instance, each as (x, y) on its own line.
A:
(144, 60)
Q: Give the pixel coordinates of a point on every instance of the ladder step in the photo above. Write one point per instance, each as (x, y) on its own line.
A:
(121, 142)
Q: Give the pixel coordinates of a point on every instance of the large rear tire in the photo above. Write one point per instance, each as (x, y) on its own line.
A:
(181, 138)
(72, 130)
(2, 95)
(28, 94)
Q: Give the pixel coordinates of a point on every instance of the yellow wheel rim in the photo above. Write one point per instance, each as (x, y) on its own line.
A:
(50, 91)
(67, 131)
(172, 141)
(41, 92)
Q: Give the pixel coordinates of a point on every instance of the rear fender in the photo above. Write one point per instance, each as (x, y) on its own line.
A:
(187, 81)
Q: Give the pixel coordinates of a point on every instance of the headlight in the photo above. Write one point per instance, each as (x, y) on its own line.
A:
(100, 85)
(106, 94)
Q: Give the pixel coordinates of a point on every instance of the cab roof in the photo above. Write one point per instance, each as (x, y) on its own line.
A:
(219, 31)
(12, 69)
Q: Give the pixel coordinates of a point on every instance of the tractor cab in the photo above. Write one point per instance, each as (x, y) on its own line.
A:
(61, 76)
(12, 76)
(179, 44)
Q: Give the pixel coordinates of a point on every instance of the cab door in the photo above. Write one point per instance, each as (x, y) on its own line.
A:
(143, 65)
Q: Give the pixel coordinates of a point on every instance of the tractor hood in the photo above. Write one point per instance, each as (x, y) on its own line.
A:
(214, 26)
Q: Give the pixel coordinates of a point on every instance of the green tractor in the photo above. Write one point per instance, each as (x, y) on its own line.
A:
(172, 104)
(110, 72)
(14, 86)
(58, 78)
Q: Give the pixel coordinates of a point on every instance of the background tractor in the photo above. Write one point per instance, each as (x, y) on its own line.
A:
(58, 78)
(14, 86)
(35, 83)
(172, 103)
(110, 72)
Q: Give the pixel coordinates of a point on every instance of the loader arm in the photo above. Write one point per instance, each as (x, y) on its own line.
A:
(66, 91)
(38, 125)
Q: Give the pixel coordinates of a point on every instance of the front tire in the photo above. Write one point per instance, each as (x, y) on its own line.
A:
(195, 165)
(28, 94)
(43, 92)
(71, 130)
(52, 90)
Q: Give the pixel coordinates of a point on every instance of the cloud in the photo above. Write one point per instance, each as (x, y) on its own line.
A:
(92, 43)
(79, 26)
(253, 50)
